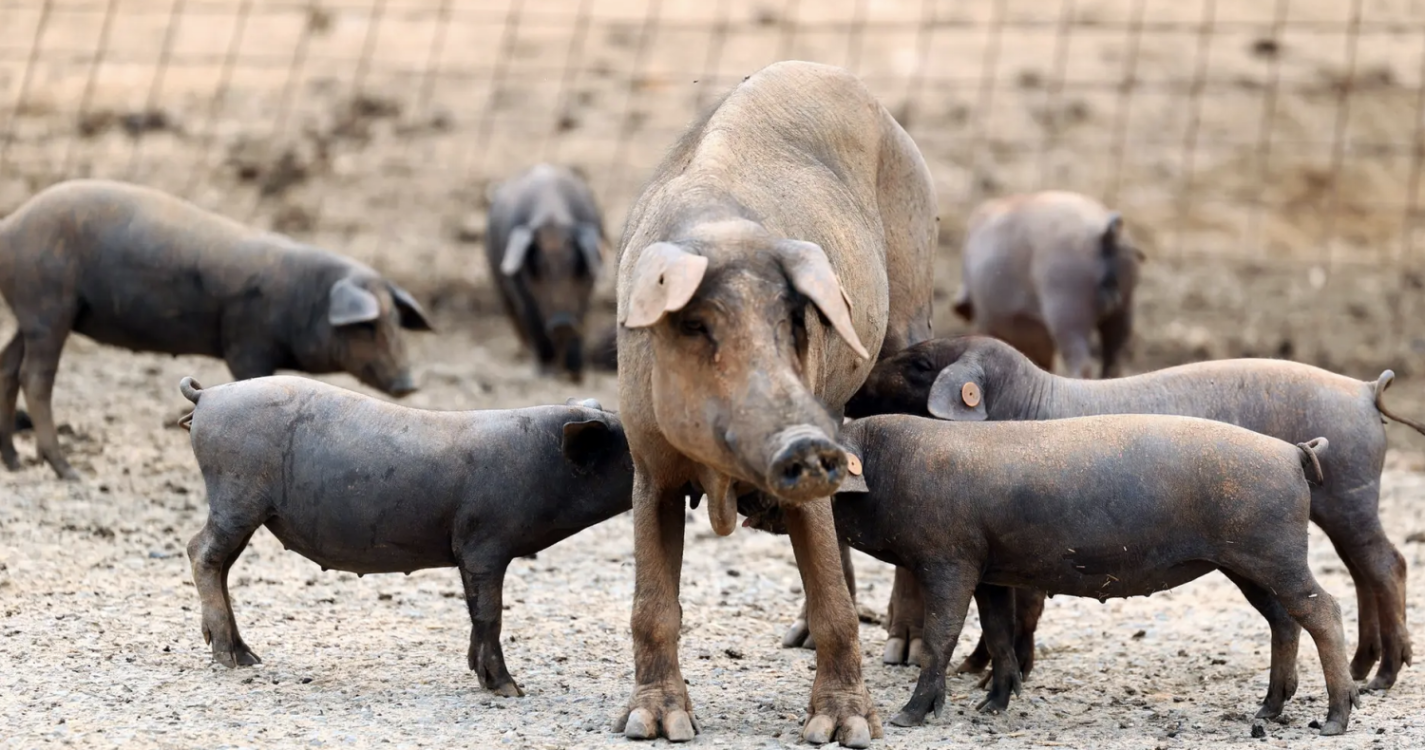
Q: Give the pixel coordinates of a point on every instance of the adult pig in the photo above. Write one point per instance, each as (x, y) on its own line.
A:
(133, 267)
(1043, 271)
(543, 243)
(784, 242)
(1102, 507)
(363, 485)
(977, 378)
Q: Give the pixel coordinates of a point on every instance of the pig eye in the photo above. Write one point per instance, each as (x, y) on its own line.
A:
(692, 327)
(923, 364)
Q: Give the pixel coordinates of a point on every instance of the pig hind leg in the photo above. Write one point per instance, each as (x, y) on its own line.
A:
(212, 553)
(1298, 593)
(1071, 322)
(1113, 334)
(10, 358)
(905, 621)
(1378, 570)
(484, 591)
(1028, 607)
(947, 588)
(1286, 635)
(42, 347)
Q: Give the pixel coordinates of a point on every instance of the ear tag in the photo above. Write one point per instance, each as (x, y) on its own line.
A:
(853, 464)
(970, 394)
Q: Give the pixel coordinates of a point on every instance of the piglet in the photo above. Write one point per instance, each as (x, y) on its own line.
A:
(972, 378)
(1102, 507)
(134, 267)
(363, 485)
(1045, 272)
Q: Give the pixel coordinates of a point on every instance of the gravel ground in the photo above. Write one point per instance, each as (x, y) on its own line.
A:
(101, 647)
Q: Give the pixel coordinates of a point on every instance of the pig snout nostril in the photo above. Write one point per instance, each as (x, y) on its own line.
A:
(806, 467)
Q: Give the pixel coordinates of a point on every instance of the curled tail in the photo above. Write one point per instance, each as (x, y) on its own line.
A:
(191, 391)
(1311, 461)
(1381, 384)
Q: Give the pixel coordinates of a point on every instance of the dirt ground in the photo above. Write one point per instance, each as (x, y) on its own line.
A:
(99, 635)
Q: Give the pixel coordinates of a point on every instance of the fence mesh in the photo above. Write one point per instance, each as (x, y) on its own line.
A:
(1268, 132)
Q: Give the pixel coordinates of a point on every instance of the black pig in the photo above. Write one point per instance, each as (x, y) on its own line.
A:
(134, 267)
(543, 247)
(363, 485)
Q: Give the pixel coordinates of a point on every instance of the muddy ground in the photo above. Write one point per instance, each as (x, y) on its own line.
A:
(99, 635)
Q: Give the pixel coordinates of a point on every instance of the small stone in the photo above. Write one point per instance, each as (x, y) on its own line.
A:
(1140, 634)
(1259, 730)
(1314, 724)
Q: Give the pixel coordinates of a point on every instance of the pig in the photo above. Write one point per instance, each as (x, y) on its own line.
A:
(542, 243)
(1104, 507)
(1043, 271)
(367, 486)
(976, 378)
(784, 242)
(134, 267)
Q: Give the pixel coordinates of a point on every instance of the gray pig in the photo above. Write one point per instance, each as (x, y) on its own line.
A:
(785, 242)
(362, 485)
(543, 246)
(976, 378)
(1043, 271)
(133, 267)
(1102, 507)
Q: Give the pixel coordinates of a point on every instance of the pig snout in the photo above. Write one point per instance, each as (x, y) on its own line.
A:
(401, 386)
(807, 465)
(561, 324)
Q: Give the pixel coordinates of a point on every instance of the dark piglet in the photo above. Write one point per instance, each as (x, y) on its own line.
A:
(1286, 400)
(1101, 507)
(543, 248)
(133, 267)
(362, 485)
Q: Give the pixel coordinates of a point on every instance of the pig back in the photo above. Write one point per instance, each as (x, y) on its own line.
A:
(1089, 481)
(343, 476)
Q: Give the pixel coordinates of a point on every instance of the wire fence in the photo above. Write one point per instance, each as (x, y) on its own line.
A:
(1270, 131)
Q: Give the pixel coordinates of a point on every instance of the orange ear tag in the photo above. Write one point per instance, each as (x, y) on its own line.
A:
(970, 393)
(853, 464)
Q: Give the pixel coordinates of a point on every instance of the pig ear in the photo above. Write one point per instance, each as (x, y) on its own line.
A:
(958, 394)
(805, 263)
(516, 250)
(587, 238)
(412, 316)
(585, 441)
(664, 280)
(587, 403)
(350, 304)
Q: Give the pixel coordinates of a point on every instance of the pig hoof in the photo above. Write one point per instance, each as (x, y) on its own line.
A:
(1332, 728)
(818, 729)
(679, 726)
(915, 652)
(1269, 711)
(907, 719)
(971, 665)
(855, 733)
(508, 690)
(1381, 683)
(994, 704)
(237, 656)
(895, 652)
(797, 635)
(640, 725)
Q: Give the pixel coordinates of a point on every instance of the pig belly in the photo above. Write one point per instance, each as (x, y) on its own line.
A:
(162, 319)
(1100, 573)
(363, 549)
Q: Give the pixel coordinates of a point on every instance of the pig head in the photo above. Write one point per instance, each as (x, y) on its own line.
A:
(544, 247)
(727, 325)
(361, 332)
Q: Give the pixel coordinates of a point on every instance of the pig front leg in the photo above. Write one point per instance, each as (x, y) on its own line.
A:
(1113, 334)
(660, 704)
(799, 634)
(10, 359)
(1070, 321)
(212, 553)
(905, 620)
(996, 604)
(947, 588)
(840, 708)
(484, 589)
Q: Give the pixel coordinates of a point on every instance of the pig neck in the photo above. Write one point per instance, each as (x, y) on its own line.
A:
(1029, 393)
